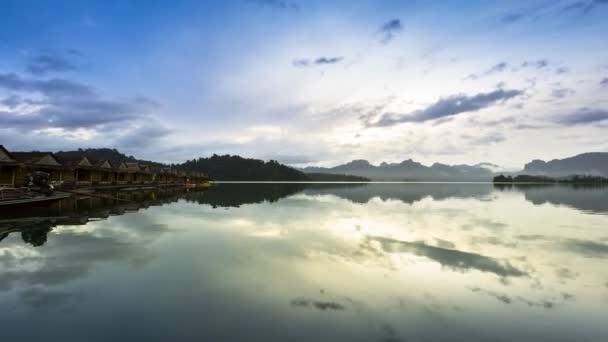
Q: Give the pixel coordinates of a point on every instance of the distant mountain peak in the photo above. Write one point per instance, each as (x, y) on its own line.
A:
(358, 162)
(592, 163)
(408, 170)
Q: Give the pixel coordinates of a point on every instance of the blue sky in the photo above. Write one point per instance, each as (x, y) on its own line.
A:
(307, 82)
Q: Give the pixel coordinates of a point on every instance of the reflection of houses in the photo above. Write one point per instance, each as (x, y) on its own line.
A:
(39, 161)
(34, 223)
(8, 168)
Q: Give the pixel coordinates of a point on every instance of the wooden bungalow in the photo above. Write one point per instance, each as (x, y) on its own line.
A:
(8, 169)
(145, 174)
(103, 173)
(39, 161)
(167, 176)
(182, 177)
(133, 173)
(122, 174)
(163, 176)
(155, 174)
(81, 170)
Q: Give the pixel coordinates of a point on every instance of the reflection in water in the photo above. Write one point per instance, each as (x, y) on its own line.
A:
(300, 262)
(589, 198)
(452, 258)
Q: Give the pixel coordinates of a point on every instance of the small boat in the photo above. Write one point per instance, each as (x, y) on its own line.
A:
(14, 196)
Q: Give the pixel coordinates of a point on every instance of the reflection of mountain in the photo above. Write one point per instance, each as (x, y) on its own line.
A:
(409, 170)
(593, 199)
(408, 193)
(235, 195)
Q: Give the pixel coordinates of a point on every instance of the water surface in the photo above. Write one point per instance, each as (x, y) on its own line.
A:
(298, 262)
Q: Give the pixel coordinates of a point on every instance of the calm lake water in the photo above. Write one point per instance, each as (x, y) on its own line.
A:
(297, 262)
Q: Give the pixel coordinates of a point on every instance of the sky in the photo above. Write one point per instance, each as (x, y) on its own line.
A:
(307, 82)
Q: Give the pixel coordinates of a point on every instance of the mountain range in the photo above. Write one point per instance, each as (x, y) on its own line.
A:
(408, 170)
(595, 163)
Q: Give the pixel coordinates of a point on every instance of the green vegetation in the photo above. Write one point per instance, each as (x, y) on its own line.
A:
(235, 168)
(576, 179)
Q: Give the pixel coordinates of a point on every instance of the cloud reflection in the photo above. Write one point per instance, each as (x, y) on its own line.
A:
(451, 258)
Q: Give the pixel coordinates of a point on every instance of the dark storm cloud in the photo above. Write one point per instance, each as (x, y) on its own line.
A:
(497, 68)
(450, 258)
(583, 116)
(604, 82)
(560, 93)
(494, 137)
(12, 101)
(449, 106)
(305, 62)
(584, 6)
(277, 4)
(512, 17)
(54, 87)
(64, 104)
(539, 64)
(46, 63)
(81, 113)
(144, 135)
(390, 29)
(589, 249)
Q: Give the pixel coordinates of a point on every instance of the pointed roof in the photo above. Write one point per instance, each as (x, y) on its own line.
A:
(37, 158)
(6, 158)
(132, 167)
(76, 161)
(103, 164)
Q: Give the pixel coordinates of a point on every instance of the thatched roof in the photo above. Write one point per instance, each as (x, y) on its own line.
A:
(6, 158)
(76, 162)
(103, 164)
(37, 158)
(132, 167)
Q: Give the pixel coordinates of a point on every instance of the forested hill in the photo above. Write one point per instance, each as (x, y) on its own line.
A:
(235, 168)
